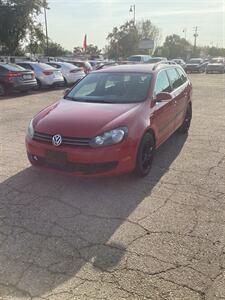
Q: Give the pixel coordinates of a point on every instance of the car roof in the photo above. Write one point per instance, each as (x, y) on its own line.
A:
(137, 68)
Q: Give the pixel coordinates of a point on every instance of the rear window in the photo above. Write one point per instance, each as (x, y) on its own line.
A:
(13, 67)
(44, 66)
(110, 87)
(69, 66)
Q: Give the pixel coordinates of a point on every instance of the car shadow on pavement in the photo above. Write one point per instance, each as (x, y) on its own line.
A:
(57, 230)
(18, 95)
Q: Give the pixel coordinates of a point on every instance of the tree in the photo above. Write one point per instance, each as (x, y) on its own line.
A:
(55, 49)
(92, 50)
(36, 40)
(77, 50)
(124, 40)
(174, 47)
(17, 18)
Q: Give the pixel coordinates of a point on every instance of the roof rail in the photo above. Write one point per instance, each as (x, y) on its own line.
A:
(166, 62)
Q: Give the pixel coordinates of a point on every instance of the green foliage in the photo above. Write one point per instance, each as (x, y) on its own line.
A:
(174, 47)
(55, 49)
(124, 40)
(17, 20)
(90, 50)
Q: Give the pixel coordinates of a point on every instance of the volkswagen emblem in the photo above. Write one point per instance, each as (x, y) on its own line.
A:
(57, 140)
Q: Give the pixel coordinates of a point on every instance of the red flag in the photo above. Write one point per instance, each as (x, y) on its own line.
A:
(85, 42)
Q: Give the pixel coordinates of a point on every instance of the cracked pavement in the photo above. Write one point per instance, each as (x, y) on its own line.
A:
(158, 238)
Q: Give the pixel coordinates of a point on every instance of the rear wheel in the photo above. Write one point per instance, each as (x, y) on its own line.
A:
(2, 90)
(145, 155)
(187, 121)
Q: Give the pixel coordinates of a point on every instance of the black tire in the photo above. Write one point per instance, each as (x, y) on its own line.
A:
(65, 82)
(2, 90)
(187, 121)
(39, 85)
(145, 155)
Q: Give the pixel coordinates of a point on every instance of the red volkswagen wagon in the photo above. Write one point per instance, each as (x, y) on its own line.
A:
(112, 121)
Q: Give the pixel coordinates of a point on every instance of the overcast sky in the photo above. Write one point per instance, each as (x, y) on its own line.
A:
(69, 20)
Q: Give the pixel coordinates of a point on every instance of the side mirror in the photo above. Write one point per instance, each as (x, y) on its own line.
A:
(163, 97)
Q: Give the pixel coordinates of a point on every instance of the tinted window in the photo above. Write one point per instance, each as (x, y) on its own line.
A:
(12, 67)
(112, 88)
(134, 58)
(183, 77)
(162, 83)
(174, 78)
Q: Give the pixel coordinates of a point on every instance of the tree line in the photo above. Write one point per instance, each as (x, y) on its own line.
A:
(21, 32)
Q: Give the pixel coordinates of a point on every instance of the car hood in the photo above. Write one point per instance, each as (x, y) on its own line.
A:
(83, 119)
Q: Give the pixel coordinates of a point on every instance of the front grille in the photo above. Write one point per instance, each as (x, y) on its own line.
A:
(71, 141)
(70, 167)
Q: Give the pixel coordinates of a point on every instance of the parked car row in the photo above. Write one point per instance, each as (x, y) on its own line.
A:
(28, 75)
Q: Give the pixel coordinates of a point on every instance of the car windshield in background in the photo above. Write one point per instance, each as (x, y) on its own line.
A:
(112, 88)
(13, 67)
(134, 58)
(195, 61)
(217, 61)
(154, 60)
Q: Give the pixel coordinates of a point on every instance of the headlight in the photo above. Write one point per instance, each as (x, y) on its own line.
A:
(110, 138)
(30, 129)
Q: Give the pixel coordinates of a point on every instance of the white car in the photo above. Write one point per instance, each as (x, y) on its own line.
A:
(70, 72)
(46, 75)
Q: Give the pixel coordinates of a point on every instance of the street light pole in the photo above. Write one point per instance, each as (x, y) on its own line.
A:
(133, 9)
(46, 29)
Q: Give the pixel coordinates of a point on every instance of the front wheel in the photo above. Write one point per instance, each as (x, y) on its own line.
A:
(187, 121)
(145, 155)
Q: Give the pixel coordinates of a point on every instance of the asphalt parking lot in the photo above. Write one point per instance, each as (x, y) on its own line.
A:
(161, 237)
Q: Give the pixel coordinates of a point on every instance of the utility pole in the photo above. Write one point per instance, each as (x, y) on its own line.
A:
(185, 33)
(133, 9)
(195, 37)
(46, 30)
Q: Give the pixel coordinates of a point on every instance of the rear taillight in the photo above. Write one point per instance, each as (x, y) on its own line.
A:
(11, 75)
(48, 72)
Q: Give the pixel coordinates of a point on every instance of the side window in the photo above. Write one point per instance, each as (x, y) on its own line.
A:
(174, 78)
(162, 83)
(183, 77)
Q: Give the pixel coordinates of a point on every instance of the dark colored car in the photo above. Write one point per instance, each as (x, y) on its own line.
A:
(216, 65)
(180, 62)
(15, 78)
(112, 121)
(196, 65)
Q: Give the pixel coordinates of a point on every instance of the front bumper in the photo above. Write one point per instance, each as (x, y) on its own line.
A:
(85, 161)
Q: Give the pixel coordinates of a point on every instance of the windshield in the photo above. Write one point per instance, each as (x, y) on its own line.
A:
(217, 61)
(134, 58)
(112, 88)
(154, 60)
(195, 61)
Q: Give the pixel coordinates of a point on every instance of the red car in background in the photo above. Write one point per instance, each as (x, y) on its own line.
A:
(112, 121)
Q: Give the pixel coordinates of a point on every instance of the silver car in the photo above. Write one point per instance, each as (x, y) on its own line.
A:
(71, 73)
(46, 75)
